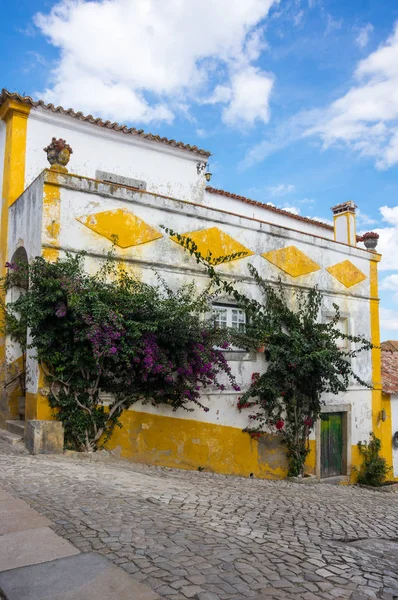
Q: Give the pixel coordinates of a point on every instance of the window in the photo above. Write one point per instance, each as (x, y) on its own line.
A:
(229, 316)
(342, 326)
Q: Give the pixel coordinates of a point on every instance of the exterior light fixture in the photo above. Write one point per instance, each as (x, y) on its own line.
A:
(383, 415)
(203, 169)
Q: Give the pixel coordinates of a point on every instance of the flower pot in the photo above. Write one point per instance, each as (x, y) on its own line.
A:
(370, 243)
(261, 348)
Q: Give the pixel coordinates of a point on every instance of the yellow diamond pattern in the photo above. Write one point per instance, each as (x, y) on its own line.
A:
(216, 242)
(120, 226)
(292, 261)
(347, 273)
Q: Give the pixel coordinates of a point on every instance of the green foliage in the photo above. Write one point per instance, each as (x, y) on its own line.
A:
(109, 333)
(374, 469)
(304, 358)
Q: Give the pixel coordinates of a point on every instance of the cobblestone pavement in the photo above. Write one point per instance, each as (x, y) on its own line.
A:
(208, 537)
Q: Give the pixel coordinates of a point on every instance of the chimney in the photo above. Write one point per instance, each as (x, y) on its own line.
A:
(345, 230)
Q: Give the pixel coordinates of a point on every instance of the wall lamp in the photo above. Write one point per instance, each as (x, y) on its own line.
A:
(202, 168)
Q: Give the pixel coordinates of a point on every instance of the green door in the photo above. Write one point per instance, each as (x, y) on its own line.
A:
(332, 445)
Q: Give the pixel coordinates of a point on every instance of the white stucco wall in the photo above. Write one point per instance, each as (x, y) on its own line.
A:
(167, 170)
(24, 230)
(24, 221)
(176, 266)
(394, 425)
(262, 213)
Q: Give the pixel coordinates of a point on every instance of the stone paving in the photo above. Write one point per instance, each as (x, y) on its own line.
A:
(208, 537)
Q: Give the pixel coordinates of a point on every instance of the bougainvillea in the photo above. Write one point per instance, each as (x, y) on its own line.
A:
(109, 333)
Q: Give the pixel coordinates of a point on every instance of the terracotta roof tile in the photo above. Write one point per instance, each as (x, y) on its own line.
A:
(391, 345)
(212, 190)
(100, 123)
(389, 371)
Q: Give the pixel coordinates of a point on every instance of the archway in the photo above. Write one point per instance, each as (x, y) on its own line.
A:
(15, 352)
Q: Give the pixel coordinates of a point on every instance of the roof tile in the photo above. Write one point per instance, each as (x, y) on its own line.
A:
(97, 121)
(391, 345)
(389, 371)
(274, 209)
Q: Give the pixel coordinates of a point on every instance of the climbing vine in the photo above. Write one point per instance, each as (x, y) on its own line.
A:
(305, 357)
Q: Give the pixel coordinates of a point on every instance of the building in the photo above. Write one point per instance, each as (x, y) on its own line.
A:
(129, 183)
(389, 373)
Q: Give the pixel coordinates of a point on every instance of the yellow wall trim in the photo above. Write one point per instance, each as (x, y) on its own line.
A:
(51, 216)
(382, 430)
(15, 116)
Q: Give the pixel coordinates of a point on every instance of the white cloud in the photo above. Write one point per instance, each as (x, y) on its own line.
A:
(144, 59)
(250, 91)
(292, 209)
(298, 18)
(366, 117)
(363, 35)
(281, 189)
(280, 137)
(388, 240)
(363, 219)
(390, 283)
(333, 24)
(388, 319)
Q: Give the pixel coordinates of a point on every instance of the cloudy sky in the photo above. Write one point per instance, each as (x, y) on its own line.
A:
(296, 99)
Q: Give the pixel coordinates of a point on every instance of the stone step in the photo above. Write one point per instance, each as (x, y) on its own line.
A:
(9, 438)
(17, 427)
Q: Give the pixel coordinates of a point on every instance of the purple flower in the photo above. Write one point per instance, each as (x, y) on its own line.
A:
(113, 350)
(11, 266)
(61, 311)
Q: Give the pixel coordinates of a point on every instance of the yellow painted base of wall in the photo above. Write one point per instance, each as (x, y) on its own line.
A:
(186, 444)
(37, 408)
(11, 393)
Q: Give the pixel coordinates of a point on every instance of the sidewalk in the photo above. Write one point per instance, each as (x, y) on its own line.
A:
(37, 564)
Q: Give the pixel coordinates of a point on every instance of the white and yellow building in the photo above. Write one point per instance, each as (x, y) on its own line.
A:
(127, 183)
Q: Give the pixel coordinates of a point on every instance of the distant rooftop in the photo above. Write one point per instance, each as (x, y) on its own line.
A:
(269, 207)
(391, 345)
(389, 367)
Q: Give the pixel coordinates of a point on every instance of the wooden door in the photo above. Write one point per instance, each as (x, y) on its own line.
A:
(332, 445)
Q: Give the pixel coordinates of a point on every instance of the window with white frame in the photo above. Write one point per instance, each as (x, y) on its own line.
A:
(229, 316)
(342, 326)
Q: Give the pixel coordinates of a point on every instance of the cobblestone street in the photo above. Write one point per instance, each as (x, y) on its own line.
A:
(197, 535)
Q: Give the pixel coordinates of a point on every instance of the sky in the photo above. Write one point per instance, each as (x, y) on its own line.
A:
(296, 99)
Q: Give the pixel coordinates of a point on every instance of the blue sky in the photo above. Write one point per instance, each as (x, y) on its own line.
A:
(297, 99)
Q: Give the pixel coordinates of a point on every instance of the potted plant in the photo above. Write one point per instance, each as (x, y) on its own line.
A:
(370, 239)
